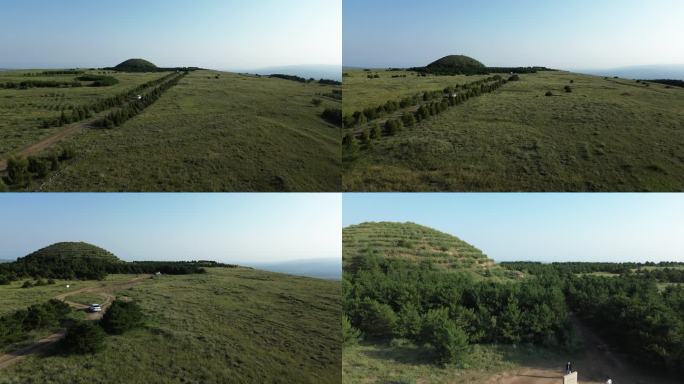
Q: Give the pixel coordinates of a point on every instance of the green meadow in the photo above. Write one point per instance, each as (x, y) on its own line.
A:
(605, 135)
(23, 110)
(213, 131)
(228, 325)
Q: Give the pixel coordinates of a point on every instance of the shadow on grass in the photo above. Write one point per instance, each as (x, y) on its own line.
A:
(401, 352)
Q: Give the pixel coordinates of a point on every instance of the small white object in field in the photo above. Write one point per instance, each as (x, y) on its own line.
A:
(68, 285)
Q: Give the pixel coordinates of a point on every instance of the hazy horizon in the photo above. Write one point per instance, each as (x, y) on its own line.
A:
(544, 227)
(229, 228)
(598, 34)
(211, 34)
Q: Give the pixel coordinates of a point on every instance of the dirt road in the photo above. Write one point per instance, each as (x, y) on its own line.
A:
(597, 364)
(48, 142)
(107, 292)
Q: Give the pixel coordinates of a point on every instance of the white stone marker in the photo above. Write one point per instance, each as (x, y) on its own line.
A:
(570, 379)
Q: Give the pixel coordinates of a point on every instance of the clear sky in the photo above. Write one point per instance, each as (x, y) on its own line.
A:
(217, 34)
(223, 227)
(575, 34)
(541, 227)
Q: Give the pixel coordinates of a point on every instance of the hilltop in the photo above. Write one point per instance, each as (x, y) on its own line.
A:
(455, 64)
(415, 243)
(70, 251)
(136, 65)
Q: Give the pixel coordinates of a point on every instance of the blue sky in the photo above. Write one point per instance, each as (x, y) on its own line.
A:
(218, 34)
(223, 227)
(541, 227)
(577, 34)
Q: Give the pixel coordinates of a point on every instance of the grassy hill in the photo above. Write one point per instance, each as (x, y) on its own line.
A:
(416, 243)
(229, 325)
(213, 131)
(455, 64)
(70, 250)
(136, 65)
(605, 135)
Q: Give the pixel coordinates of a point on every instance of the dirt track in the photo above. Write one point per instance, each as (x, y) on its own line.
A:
(598, 363)
(105, 290)
(49, 141)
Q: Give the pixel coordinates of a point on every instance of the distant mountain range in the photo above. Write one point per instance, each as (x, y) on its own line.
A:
(330, 269)
(5, 260)
(642, 72)
(330, 72)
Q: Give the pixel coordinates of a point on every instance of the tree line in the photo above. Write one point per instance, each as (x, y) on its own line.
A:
(430, 103)
(86, 111)
(135, 107)
(444, 71)
(26, 84)
(359, 118)
(300, 79)
(55, 73)
(72, 268)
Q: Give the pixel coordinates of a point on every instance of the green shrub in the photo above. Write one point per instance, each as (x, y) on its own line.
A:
(549, 93)
(392, 127)
(350, 335)
(365, 137)
(17, 171)
(379, 320)
(568, 89)
(121, 317)
(83, 337)
(449, 341)
(68, 153)
(316, 102)
(38, 166)
(409, 322)
(3, 186)
(27, 284)
(514, 78)
(375, 132)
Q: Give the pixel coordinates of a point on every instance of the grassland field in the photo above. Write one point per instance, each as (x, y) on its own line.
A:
(226, 326)
(606, 135)
(214, 131)
(23, 110)
(13, 297)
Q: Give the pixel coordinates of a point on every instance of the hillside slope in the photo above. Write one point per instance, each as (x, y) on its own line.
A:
(70, 250)
(229, 325)
(416, 243)
(605, 135)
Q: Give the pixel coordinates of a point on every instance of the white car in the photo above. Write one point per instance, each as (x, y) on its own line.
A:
(94, 308)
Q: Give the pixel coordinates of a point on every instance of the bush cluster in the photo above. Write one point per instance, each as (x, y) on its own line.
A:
(20, 170)
(122, 316)
(15, 327)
